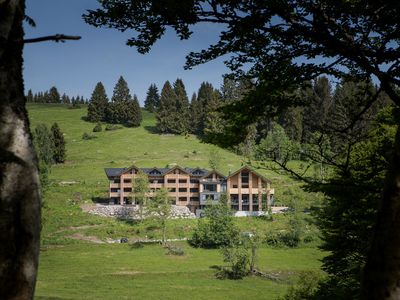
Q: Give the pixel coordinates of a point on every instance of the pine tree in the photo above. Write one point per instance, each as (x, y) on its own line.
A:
(152, 101)
(98, 104)
(29, 96)
(59, 144)
(198, 107)
(134, 113)
(196, 115)
(53, 95)
(117, 109)
(319, 99)
(181, 124)
(167, 111)
(213, 120)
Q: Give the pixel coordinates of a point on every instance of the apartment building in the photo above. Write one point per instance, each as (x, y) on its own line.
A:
(246, 190)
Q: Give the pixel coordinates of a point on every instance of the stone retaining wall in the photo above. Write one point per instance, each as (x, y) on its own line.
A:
(132, 211)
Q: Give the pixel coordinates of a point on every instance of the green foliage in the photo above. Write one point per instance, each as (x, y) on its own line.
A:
(277, 147)
(111, 127)
(237, 257)
(305, 288)
(159, 208)
(87, 136)
(217, 229)
(173, 113)
(134, 113)
(174, 250)
(44, 144)
(59, 153)
(152, 101)
(98, 104)
(214, 159)
(140, 189)
(98, 128)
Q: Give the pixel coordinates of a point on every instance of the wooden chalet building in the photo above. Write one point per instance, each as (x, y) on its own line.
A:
(192, 187)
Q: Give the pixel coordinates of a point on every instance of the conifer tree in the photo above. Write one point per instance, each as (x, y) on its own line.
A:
(53, 95)
(98, 104)
(134, 113)
(167, 111)
(117, 109)
(198, 107)
(59, 144)
(43, 141)
(213, 120)
(196, 115)
(29, 96)
(181, 124)
(152, 101)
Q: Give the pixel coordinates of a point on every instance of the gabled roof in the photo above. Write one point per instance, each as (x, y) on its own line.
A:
(129, 169)
(197, 171)
(212, 172)
(251, 170)
(159, 171)
(113, 172)
(177, 167)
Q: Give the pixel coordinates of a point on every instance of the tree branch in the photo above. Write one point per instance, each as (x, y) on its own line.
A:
(56, 38)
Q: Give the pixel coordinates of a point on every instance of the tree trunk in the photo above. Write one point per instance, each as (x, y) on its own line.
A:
(19, 180)
(382, 270)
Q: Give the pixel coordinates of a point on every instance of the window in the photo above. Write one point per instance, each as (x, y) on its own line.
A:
(127, 189)
(210, 187)
(223, 187)
(182, 190)
(255, 207)
(117, 181)
(194, 190)
(173, 190)
(171, 181)
(194, 198)
(182, 180)
(127, 180)
(194, 181)
(245, 180)
(183, 199)
(114, 190)
(255, 198)
(234, 199)
(245, 198)
(155, 172)
(234, 186)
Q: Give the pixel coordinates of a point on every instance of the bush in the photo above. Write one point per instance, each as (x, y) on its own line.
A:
(237, 257)
(87, 136)
(217, 229)
(97, 128)
(305, 288)
(110, 127)
(174, 250)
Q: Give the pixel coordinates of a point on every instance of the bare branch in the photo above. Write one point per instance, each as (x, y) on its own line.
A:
(56, 38)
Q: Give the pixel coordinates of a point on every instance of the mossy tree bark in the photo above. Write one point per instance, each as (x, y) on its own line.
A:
(19, 180)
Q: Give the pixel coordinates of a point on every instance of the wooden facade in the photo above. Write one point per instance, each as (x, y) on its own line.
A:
(246, 190)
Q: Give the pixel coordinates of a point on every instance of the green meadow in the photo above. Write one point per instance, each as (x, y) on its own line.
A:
(77, 263)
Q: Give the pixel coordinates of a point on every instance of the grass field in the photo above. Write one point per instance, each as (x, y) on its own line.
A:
(75, 269)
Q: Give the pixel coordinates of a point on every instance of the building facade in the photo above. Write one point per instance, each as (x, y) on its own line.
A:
(246, 190)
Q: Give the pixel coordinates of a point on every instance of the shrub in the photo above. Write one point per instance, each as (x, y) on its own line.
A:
(237, 257)
(174, 250)
(305, 288)
(97, 128)
(87, 136)
(217, 229)
(110, 127)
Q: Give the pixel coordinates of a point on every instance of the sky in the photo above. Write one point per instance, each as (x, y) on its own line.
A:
(75, 67)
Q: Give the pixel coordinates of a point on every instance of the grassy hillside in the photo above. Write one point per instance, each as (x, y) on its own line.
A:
(71, 267)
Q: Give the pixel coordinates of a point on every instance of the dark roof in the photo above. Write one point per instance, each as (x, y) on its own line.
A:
(161, 171)
(202, 172)
(112, 172)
